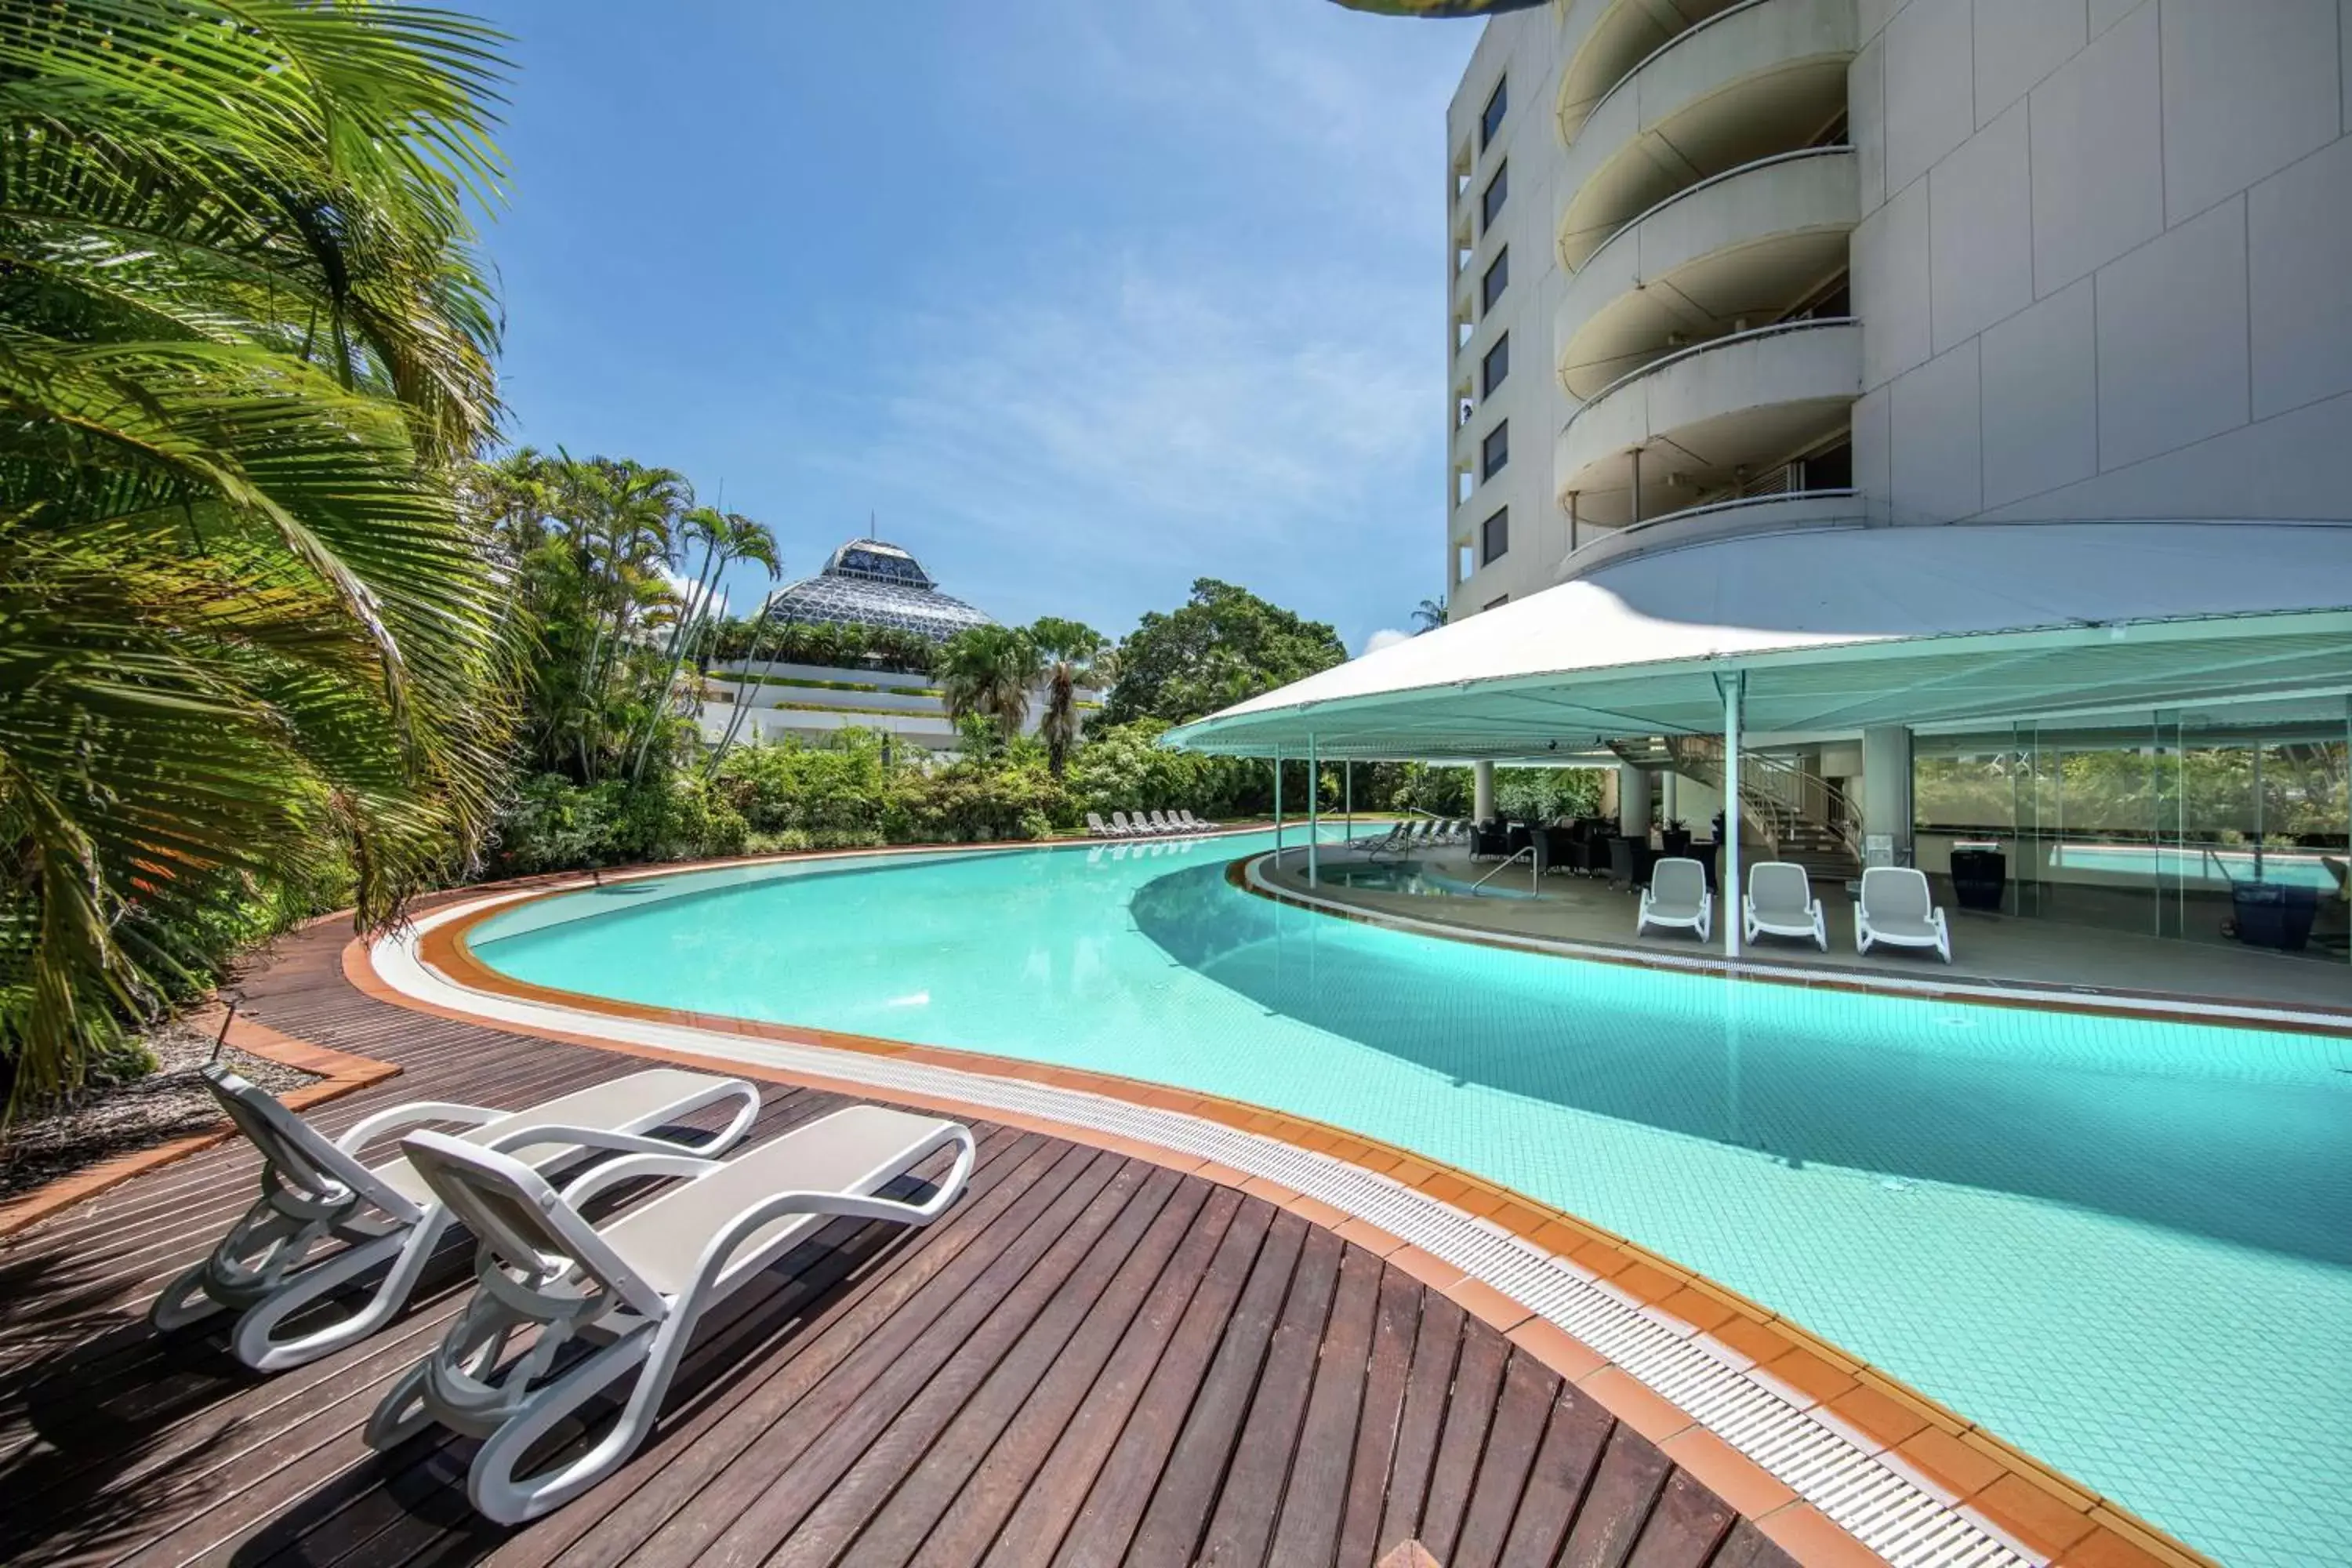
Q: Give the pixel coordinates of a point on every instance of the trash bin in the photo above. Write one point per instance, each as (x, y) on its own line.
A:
(2274, 914)
(1979, 877)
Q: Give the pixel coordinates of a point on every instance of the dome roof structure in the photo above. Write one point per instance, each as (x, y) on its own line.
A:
(870, 583)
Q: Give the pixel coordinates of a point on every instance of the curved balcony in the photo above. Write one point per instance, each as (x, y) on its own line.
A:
(1764, 76)
(1746, 246)
(1783, 513)
(1705, 418)
(1622, 35)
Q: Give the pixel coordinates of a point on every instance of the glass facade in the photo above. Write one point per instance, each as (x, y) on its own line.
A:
(2222, 824)
(870, 583)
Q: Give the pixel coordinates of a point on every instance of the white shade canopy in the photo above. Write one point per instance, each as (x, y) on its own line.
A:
(1838, 628)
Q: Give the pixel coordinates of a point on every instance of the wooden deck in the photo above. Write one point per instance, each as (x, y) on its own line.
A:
(1090, 1359)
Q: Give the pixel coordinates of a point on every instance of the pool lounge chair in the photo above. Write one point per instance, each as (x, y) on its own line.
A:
(313, 1190)
(1197, 824)
(633, 1287)
(1097, 828)
(1163, 822)
(1897, 908)
(1121, 828)
(1676, 899)
(1781, 903)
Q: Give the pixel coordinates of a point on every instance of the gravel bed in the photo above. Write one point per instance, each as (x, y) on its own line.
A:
(171, 1102)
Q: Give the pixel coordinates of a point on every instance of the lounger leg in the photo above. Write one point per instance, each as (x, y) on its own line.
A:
(408, 1249)
(258, 1252)
(503, 1497)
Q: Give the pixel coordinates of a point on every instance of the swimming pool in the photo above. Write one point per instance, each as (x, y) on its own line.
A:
(2125, 1245)
(1413, 878)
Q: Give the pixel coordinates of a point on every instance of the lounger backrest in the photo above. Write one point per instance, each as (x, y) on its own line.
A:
(1119, 821)
(520, 1219)
(1675, 880)
(1094, 822)
(299, 1157)
(1780, 887)
(1895, 893)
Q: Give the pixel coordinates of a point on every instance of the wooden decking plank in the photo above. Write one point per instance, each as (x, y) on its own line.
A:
(1394, 1329)
(732, 1519)
(1258, 1475)
(1079, 1440)
(1529, 1389)
(1469, 1414)
(1686, 1526)
(1078, 1333)
(1617, 1505)
(1748, 1547)
(894, 1427)
(1120, 1483)
(1171, 1529)
(1565, 1463)
(1428, 1388)
(1308, 1528)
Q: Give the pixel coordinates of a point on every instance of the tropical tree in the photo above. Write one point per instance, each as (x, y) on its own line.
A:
(727, 539)
(988, 673)
(1076, 656)
(254, 649)
(1221, 647)
(1429, 615)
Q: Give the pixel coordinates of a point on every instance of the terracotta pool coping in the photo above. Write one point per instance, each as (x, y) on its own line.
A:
(2015, 1494)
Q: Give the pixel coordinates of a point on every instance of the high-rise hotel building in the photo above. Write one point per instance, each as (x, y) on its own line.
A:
(1715, 267)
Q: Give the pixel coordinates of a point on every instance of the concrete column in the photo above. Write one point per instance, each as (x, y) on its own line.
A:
(1482, 791)
(1887, 786)
(1314, 812)
(1669, 798)
(1633, 800)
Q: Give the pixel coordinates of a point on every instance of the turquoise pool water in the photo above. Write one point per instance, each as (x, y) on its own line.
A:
(2125, 1245)
(1413, 878)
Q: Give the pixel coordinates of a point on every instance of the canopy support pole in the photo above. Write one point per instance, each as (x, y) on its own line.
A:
(1277, 808)
(1313, 805)
(1727, 883)
(1347, 796)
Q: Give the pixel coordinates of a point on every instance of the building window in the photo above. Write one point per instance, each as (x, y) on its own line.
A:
(1498, 189)
(1497, 367)
(1494, 537)
(1495, 451)
(1491, 120)
(1498, 278)
(1463, 565)
(1496, 604)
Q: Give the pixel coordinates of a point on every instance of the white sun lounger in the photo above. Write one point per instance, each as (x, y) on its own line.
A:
(1095, 827)
(633, 1287)
(313, 1190)
(1781, 903)
(1198, 825)
(1122, 827)
(1897, 908)
(1159, 824)
(1676, 899)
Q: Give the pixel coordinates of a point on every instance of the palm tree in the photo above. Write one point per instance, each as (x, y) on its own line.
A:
(1428, 616)
(1074, 655)
(988, 673)
(727, 538)
(254, 643)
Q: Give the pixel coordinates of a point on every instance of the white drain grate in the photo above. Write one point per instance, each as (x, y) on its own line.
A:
(1886, 1510)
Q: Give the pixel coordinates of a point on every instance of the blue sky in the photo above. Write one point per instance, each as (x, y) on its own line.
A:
(1081, 298)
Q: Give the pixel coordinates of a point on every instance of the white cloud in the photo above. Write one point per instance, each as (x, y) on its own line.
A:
(1387, 636)
(693, 597)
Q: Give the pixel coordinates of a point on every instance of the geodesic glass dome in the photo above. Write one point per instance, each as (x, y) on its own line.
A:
(870, 583)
